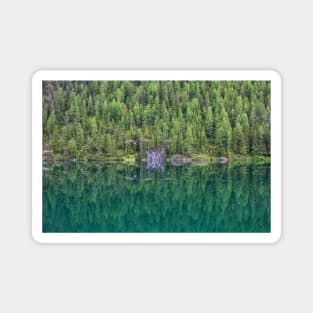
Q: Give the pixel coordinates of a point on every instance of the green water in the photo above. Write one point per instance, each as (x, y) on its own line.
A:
(96, 197)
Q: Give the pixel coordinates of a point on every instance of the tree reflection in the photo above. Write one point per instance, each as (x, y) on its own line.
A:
(126, 198)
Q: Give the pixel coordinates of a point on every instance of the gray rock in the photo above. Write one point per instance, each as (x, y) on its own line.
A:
(155, 159)
(223, 160)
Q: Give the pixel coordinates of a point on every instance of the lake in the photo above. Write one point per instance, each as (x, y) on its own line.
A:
(95, 197)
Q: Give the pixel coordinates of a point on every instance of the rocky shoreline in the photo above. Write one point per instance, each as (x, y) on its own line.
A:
(176, 160)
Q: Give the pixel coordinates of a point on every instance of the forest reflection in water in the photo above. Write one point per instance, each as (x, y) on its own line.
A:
(94, 197)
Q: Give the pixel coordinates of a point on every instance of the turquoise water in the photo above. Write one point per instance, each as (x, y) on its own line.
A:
(96, 197)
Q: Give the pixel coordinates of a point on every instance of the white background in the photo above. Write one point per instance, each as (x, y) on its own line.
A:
(43, 75)
(160, 34)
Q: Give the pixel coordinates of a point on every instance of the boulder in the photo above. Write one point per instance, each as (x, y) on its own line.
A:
(223, 160)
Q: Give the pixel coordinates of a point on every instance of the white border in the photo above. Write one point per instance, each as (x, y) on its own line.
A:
(42, 75)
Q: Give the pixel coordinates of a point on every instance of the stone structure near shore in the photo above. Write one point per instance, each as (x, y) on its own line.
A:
(223, 160)
(155, 159)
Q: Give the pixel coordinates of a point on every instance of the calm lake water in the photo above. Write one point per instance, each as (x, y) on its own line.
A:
(94, 197)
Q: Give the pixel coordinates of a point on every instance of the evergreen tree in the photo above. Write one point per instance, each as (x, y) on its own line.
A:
(81, 118)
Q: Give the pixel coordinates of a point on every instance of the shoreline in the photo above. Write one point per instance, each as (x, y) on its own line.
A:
(199, 159)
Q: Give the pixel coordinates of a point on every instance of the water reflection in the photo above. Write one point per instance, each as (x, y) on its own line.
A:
(125, 198)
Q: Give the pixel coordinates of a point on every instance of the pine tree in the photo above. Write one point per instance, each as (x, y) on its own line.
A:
(215, 117)
(72, 148)
(51, 123)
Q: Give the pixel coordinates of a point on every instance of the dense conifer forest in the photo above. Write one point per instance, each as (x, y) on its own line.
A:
(118, 119)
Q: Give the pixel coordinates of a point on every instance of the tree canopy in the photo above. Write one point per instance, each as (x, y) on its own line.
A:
(119, 118)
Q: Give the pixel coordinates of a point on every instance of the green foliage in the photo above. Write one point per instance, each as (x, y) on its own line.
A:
(51, 124)
(72, 148)
(118, 118)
